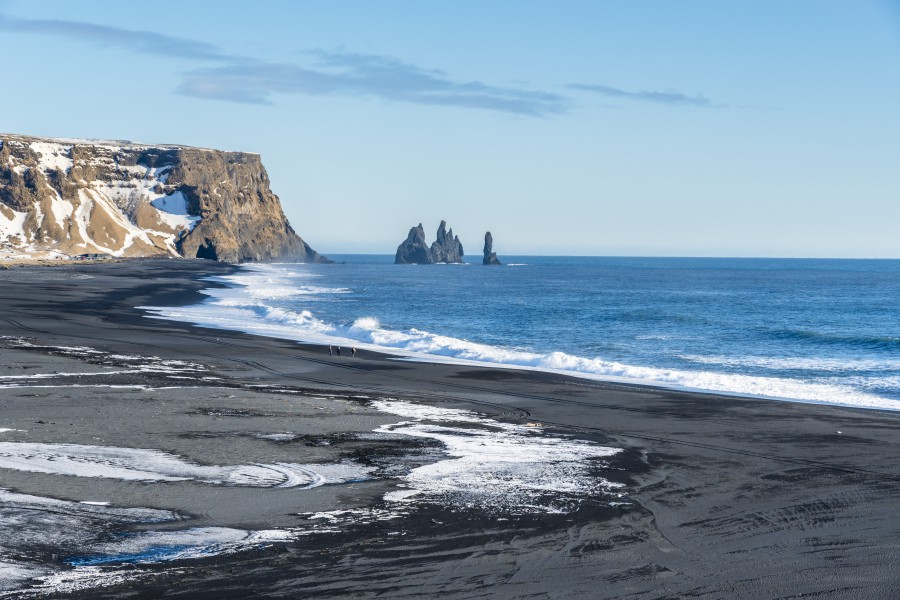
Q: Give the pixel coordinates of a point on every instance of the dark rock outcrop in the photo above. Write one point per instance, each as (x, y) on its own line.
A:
(125, 199)
(445, 249)
(490, 257)
(414, 250)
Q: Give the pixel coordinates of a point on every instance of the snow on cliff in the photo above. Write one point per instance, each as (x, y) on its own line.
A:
(103, 206)
(65, 197)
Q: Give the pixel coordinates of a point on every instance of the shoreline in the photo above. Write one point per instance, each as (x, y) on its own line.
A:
(725, 496)
(805, 392)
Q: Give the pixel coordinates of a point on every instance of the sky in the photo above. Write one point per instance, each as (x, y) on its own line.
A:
(643, 128)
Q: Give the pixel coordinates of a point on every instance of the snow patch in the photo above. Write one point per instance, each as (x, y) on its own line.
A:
(173, 211)
(14, 226)
(53, 156)
(61, 209)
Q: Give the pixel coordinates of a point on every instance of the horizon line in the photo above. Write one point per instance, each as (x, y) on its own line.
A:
(686, 256)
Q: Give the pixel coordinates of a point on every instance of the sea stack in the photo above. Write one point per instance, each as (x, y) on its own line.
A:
(490, 257)
(414, 250)
(445, 249)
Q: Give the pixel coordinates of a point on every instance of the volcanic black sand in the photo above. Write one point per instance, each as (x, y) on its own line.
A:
(724, 497)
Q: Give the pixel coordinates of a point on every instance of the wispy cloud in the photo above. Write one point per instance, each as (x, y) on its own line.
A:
(670, 98)
(144, 42)
(236, 78)
(366, 75)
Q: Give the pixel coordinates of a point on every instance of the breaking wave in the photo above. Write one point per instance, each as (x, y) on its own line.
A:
(251, 306)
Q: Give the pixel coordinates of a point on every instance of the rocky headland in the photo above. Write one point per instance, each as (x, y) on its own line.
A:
(445, 249)
(61, 198)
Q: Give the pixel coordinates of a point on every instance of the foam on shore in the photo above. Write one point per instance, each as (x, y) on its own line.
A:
(248, 306)
(494, 466)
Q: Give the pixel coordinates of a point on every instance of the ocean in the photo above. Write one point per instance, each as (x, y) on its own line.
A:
(809, 330)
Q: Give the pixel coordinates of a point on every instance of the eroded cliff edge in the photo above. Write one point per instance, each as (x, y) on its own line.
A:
(68, 197)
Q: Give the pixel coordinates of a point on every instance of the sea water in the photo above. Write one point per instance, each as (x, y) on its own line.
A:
(809, 330)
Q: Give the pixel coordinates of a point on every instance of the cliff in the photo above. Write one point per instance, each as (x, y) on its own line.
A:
(70, 197)
(445, 249)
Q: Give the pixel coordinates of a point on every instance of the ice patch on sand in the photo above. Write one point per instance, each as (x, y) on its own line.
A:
(164, 546)
(496, 466)
(36, 527)
(12, 574)
(66, 508)
(277, 437)
(117, 365)
(58, 375)
(136, 464)
(334, 521)
(39, 531)
(483, 464)
(80, 579)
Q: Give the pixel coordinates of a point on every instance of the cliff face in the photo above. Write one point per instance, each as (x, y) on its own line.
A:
(69, 197)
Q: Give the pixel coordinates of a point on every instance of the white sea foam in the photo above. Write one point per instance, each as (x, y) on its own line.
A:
(776, 363)
(495, 466)
(422, 345)
(245, 308)
(154, 465)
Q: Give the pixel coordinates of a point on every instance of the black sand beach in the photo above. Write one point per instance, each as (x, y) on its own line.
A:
(723, 497)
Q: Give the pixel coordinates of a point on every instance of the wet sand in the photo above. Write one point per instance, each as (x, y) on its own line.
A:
(724, 497)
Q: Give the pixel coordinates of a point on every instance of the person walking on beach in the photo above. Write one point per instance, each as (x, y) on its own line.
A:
(329, 351)
(353, 351)
(338, 351)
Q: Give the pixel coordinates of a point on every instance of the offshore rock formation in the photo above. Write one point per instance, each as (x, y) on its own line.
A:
(414, 250)
(490, 257)
(70, 197)
(446, 249)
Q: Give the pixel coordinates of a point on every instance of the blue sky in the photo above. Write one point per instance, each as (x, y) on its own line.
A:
(691, 128)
